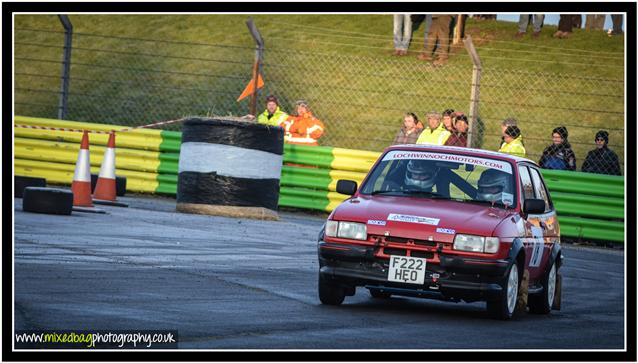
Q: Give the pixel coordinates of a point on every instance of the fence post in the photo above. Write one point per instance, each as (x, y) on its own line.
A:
(66, 66)
(257, 68)
(476, 85)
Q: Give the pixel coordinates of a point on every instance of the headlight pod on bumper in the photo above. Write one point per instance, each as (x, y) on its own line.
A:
(350, 230)
(470, 243)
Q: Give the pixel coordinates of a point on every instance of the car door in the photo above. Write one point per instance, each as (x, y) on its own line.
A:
(544, 227)
(532, 230)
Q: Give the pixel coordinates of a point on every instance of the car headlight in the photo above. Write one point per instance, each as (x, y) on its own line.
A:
(348, 230)
(331, 228)
(466, 242)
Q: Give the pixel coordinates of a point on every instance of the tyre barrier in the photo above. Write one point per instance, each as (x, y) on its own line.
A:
(230, 168)
(120, 184)
(47, 200)
(22, 182)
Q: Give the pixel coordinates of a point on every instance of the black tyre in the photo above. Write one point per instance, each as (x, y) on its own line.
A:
(22, 182)
(542, 303)
(120, 184)
(504, 307)
(379, 294)
(47, 200)
(330, 293)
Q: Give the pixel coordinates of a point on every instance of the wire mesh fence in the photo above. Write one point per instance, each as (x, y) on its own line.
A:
(360, 99)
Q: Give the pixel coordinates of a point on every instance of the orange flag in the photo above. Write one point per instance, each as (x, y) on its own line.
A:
(250, 87)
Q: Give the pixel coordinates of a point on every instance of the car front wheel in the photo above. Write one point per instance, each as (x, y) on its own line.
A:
(504, 306)
(330, 293)
(542, 303)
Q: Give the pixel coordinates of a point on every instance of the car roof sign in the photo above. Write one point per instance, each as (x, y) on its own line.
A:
(458, 158)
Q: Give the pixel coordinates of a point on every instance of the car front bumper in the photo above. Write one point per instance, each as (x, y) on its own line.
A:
(452, 278)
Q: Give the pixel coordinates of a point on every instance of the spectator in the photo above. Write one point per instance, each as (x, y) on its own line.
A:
(402, 33)
(448, 119)
(595, 21)
(523, 22)
(440, 31)
(559, 155)
(617, 24)
(409, 133)
(566, 25)
(509, 122)
(426, 19)
(513, 144)
(602, 160)
(484, 16)
(435, 133)
(272, 116)
(459, 136)
(303, 129)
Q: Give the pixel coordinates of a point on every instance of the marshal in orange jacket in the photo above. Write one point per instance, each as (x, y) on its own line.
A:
(303, 129)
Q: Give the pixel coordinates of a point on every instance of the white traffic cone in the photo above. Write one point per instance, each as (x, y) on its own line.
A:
(81, 185)
(105, 188)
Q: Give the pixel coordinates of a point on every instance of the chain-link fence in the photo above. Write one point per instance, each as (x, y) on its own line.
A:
(128, 81)
(361, 99)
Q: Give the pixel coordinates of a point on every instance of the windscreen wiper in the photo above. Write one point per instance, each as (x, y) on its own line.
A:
(492, 204)
(374, 192)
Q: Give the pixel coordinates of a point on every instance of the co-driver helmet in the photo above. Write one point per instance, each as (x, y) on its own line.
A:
(492, 184)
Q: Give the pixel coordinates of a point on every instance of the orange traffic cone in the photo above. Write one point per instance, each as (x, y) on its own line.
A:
(81, 185)
(105, 188)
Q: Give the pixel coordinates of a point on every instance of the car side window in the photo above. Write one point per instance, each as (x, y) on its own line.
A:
(539, 189)
(526, 183)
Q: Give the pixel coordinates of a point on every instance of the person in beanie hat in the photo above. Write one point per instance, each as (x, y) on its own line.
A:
(559, 155)
(512, 144)
(273, 115)
(602, 159)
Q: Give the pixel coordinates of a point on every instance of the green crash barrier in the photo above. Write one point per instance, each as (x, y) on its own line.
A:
(585, 183)
(149, 159)
(592, 228)
(588, 205)
(65, 152)
(578, 176)
(60, 173)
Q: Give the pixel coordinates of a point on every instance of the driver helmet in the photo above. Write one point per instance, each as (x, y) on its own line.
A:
(420, 173)
(492, 184)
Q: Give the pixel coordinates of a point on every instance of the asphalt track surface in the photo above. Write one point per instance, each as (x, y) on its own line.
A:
(227, 283)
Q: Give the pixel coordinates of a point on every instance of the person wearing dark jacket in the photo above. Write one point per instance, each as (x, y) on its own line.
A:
(459, 135)
(601, 160)
(559, 155)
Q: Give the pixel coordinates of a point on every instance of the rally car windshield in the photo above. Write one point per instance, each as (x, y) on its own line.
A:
(443, 176)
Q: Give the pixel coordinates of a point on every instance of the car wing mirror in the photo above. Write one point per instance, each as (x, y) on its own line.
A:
(533, 206)
(347, 187)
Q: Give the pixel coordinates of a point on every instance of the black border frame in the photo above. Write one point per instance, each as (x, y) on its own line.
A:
(8, 8)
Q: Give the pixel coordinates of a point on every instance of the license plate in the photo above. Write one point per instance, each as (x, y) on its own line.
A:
(410, 270)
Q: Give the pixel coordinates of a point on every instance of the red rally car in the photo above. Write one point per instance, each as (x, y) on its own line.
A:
(447, 223)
